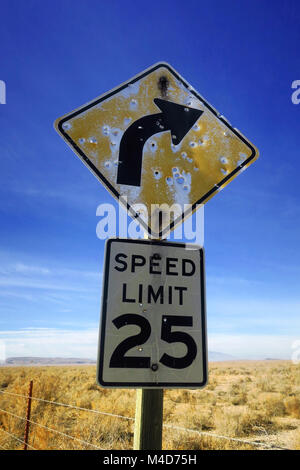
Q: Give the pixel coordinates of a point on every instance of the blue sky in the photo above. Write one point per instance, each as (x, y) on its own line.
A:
(242, 56)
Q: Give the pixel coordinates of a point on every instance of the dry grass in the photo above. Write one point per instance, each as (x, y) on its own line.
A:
(257, 401)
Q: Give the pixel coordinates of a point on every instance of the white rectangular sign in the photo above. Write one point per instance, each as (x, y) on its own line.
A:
(153, 322)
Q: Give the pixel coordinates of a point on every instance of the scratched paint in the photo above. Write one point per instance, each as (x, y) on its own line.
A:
(208, 152)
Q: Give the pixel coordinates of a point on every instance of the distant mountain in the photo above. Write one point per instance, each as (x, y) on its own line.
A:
(272, 359)
(34, 361)
(213, 356)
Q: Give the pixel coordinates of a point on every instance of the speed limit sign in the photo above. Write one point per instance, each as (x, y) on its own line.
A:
(153, 321)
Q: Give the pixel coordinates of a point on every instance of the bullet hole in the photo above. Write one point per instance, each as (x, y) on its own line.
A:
(133, 104)
(163, 84)
(154, 367)
(223, 160)
(127, 120)
(105, 130)
(180, 180)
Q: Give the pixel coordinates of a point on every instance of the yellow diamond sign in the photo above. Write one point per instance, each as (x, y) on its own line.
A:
(157, 146)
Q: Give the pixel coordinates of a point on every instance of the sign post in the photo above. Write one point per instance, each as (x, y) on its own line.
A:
(148, 419)
(149, 409)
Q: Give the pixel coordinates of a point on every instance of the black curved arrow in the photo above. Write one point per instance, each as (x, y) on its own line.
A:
(174, 117)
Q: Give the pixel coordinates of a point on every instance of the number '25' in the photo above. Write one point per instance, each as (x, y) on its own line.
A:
(118, 358)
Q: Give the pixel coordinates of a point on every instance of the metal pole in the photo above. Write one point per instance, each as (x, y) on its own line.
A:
(26, 435)
(148, 414)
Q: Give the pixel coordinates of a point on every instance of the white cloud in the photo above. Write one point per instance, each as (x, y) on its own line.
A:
(251, 346)
(237, 312)
(32, 276)
(17, 295)
(69, 197)
(41, 270)
(231, 280)
(48, 342)
(37, 284)
(23, 268)
(55, 342)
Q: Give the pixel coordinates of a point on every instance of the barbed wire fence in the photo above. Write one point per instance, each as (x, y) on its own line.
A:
(88, 444)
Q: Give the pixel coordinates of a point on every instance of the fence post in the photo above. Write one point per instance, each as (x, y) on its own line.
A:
(27, 425)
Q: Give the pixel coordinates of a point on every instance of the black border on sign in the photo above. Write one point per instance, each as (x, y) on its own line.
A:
(102, 330)
(112, 189)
